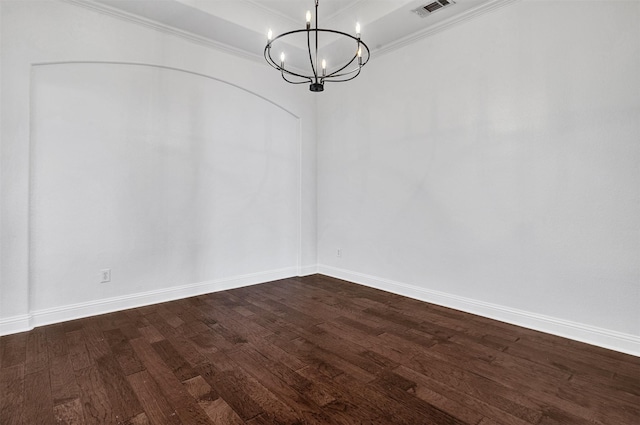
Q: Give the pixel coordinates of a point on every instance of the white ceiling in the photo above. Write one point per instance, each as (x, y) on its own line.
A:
(243, 24)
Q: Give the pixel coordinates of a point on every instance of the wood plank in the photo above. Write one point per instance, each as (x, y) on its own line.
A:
(14, 349)
(140, 419)
(187, 349)
(277, 354)
(231, 385)
(220, 412)
(38, 404)
(56, 340)
(179, 366)
(440, 401)
(479, 387)
(348, 402)
(78, 354)
(327, 361)
(169, 317)
(96, 406)
(123, 351)
(213, 405)
(151, 334)
(63, 380)
(155, 405)
(296, 391)
(182, 403)
(123, 401)
(136, 318)
(387, 383)
(37, 357)
(200, 389)
(12, 395)
(69, 412)
(94, 340)
(236, 384)
(460, 396)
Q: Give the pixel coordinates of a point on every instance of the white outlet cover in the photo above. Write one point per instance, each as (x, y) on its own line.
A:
(105, 275)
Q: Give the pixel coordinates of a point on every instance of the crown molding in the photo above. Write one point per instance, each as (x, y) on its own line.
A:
(444, 25)
(272, 12)
(166, 29)
(297, 22)
(335, 14)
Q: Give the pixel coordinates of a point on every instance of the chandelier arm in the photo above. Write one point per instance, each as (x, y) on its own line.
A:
(296, 82)
(267, 57)
(306, 79)
(270, 61)
(336, 72)
(286, 71)
(341, 76)
(334, 75)
(346, 79)
(313, 68)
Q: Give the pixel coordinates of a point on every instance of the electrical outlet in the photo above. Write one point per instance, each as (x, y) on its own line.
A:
(105, 275)
(339, 252)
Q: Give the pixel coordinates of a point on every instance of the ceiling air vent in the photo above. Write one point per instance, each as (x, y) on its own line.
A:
(426, 10)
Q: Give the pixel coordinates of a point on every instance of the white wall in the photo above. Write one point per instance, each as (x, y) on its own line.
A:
(495, 167)
(182, 168)
(171, 177)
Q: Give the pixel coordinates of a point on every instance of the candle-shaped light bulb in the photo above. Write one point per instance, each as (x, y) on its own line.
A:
(269, 35)
(357, 29)
(282, 59)
(324, 67)
(308, 19)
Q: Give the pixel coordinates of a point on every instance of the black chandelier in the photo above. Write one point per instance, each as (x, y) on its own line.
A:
(316, 78)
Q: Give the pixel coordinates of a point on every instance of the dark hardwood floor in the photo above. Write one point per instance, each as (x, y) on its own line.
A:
(311, 350)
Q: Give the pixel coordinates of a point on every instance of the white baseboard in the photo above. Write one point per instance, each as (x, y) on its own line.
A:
(48, 316)
(618, 341)
(308, 270)
(15, 324)
(605, 338)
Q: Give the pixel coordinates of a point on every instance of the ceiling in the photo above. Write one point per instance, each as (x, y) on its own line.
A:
(242, 25)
